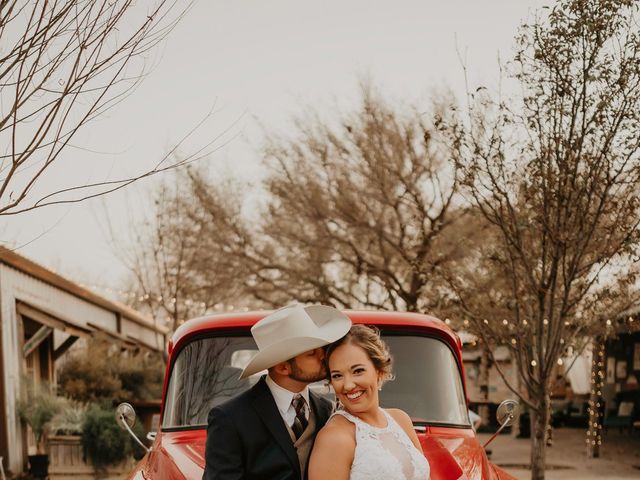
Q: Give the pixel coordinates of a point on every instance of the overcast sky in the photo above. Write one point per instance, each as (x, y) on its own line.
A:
(257, 62)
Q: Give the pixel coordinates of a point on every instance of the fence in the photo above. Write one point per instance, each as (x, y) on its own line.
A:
(66, 461)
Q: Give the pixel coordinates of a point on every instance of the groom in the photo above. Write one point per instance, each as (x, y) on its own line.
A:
(268, 431)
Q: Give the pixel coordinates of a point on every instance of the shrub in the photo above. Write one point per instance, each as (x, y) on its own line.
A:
(100, 370)
(142, 376)
(103, 442)
(69, 421)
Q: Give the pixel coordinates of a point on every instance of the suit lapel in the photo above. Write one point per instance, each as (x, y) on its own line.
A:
(321, 408)
(267, 409)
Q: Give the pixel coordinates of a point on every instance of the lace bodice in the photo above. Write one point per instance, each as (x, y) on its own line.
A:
(385, 453)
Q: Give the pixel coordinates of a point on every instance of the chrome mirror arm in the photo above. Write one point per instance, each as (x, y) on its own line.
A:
(507, 414)
(126, 418)
(509, 418)
(126, 425)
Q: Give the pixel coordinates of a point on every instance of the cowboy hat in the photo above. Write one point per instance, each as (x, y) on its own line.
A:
(293, 330)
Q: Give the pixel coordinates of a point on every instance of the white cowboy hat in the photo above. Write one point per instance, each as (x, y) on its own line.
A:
(293, 330)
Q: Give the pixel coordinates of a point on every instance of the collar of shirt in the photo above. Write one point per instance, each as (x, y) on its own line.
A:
(283, 398)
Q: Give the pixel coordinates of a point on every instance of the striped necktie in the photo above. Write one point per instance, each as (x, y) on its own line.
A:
(300, 422)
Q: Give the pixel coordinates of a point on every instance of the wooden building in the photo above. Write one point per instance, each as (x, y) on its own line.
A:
(41, 315)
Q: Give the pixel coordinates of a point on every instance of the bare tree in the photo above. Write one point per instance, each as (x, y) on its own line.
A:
(355, 213)
(358, 209)
(557, 175)
(177, 271)
(64, 63)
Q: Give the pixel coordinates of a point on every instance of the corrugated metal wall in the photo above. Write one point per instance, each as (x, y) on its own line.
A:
(17, 286)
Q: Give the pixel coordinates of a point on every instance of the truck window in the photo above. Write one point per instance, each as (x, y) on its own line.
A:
(206, 372)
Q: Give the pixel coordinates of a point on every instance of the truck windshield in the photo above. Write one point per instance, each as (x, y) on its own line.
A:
(427, 382)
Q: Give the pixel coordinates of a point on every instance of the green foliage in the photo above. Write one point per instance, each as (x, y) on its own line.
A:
(68, 421)
(142, 377)
(37, 407)
(101, 370)
(103, 442)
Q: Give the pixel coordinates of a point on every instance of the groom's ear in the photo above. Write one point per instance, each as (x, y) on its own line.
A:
(282, 368)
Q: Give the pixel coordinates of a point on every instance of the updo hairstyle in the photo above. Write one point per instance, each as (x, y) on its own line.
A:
(368, 338)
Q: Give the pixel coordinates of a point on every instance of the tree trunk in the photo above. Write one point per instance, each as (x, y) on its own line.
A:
(517, 381)
(594, 437)
(483, 383)
(539, 422)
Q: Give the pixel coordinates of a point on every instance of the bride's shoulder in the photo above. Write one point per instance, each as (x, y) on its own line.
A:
(338, 429)
(339, 422)
(333, 450)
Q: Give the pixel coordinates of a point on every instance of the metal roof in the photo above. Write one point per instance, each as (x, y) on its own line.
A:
(24, 265)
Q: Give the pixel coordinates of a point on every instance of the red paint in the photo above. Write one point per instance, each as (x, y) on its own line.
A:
(453, 453)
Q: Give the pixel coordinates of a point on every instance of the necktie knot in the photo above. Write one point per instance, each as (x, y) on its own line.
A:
(300, 422)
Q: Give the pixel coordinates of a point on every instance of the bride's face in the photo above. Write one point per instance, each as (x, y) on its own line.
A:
(354, 378)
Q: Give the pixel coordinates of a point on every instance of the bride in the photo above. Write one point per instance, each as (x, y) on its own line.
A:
(361, 440)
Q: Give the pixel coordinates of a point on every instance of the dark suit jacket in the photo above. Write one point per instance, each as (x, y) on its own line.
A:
(247, 438)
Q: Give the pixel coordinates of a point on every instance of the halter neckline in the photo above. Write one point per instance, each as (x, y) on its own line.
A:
(387, 416)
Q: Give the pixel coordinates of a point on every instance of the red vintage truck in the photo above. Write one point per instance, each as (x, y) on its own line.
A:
(206, 356)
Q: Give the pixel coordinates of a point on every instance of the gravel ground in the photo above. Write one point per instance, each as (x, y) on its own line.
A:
(566, 459)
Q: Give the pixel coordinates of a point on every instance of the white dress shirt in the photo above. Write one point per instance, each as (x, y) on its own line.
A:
(283, 398)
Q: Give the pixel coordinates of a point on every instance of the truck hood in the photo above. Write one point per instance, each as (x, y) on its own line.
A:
(175, 455)
(178, 455)
(456, 455)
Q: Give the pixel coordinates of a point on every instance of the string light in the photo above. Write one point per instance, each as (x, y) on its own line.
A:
(594, 435)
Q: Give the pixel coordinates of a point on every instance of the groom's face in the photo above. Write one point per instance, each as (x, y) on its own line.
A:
(308, 367)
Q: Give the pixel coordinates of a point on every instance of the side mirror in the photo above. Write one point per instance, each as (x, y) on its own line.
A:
(507, 414)
(126, 419)
(125, 416)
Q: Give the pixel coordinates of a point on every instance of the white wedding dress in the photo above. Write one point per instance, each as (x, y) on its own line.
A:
(385, 453)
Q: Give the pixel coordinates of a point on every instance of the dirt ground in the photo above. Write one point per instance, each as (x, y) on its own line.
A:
(566, 459)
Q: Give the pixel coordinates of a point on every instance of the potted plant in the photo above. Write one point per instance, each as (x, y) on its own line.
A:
(36, 408)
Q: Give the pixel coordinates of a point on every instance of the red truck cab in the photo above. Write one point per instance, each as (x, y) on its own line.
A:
(206, 356)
